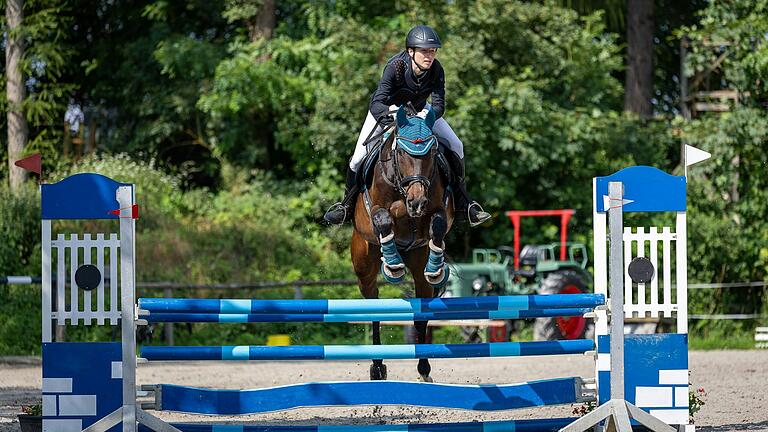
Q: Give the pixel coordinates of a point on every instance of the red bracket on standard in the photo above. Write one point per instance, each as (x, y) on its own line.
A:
(134, 211)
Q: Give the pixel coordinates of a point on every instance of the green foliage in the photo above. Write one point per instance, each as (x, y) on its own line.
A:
(727, 228)
(731, 337)
(19, 255)
(33, 410)
(46, 62)
(200, 236)
(735, 31)
(159, 193)
(19, 231)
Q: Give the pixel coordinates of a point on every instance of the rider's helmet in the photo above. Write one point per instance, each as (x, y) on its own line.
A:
(422, 36)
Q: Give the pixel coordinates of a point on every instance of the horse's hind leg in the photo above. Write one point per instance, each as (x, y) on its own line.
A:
(365, 261)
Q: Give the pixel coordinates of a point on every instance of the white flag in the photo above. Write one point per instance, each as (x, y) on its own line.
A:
(607, 202)
(694, 155)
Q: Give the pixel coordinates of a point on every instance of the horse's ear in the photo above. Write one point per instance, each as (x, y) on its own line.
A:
(402, 118)
(430, 118)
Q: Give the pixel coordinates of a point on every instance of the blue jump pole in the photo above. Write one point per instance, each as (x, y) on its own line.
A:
(159, 317)
(460, 304)
(367, 352)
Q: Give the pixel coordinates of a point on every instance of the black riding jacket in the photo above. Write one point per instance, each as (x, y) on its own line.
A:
(399, 85)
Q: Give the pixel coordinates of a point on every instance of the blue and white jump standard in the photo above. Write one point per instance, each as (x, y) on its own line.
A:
(92, 387)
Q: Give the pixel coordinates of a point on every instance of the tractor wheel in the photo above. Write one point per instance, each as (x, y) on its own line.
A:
(562, 282)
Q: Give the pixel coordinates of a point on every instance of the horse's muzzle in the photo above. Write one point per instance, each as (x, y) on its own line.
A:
(416, 206)
(415, 195)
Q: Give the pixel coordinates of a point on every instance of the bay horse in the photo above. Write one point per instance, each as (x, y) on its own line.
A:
(401, 221)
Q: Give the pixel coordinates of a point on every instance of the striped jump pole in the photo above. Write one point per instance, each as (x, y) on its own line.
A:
(418, 305)
(160, 317)
(367, 352)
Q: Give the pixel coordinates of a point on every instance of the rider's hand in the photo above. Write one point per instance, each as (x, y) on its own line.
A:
(386, 120)
(422, 114)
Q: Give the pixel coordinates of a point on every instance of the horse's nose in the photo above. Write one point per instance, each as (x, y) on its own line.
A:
(416, 206)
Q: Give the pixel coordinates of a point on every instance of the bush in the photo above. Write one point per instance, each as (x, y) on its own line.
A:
(19, 255)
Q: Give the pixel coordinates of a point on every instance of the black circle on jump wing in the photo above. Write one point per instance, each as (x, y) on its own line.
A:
(87, 277)
(641, 270)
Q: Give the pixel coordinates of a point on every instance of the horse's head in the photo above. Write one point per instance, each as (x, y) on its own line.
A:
(413, 155)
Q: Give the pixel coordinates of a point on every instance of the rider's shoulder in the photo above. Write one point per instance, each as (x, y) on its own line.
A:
(437, 66)
(398, 59)
(402, 55)
(396, 67)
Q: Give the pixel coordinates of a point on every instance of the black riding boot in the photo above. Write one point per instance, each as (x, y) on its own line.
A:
(342, 211)
(467, 209)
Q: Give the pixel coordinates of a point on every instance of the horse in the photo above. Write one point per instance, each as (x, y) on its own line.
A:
(401, 220)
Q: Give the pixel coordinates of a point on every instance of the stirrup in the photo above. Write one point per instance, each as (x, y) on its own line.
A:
(482, 215)
(339, 206)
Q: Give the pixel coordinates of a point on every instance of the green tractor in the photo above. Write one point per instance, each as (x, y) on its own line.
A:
(557, 268)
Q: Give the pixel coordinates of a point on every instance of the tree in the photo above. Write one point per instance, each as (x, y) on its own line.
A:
(18, 131)
(639, 80)
(729, 193)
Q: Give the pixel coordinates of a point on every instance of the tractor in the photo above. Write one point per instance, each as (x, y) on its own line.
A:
(557, 268)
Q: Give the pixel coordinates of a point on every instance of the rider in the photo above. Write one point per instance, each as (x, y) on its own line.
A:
(411, 76)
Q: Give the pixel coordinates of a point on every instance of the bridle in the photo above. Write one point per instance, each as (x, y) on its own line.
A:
(403, 183)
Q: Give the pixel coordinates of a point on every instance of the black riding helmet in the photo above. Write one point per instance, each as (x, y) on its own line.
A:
(422, 36)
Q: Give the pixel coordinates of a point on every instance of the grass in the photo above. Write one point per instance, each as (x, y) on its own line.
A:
(721, 341)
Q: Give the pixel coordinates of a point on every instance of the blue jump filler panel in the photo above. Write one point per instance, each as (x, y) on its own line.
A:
(81, 196)
(650, 190)
(655, 374)
(82, 383)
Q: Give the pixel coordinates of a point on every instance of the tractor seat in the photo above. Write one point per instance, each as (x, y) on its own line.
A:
(529, 257)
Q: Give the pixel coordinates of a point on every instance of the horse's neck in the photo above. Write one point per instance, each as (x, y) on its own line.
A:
(386, 165)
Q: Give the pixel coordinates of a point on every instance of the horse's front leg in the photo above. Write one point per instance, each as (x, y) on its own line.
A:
(365, 260)
(392, 266)
(378, 368)
(424, 367)
(416, 260)
(436, 271)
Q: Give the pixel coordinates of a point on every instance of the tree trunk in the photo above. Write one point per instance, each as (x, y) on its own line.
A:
(263, 24)
(17, 122)
(638, 90)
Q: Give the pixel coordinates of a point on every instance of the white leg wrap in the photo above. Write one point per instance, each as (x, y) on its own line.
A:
(396, 270)
(436, 276)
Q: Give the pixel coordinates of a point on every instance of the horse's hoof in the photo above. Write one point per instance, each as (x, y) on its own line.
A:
(378, 372)
(426, 378)
(440, 279)
(392, 276)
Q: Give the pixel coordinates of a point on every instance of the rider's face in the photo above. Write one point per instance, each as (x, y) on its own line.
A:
(424, 57)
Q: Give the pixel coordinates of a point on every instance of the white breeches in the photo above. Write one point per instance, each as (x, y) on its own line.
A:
(441, 129)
